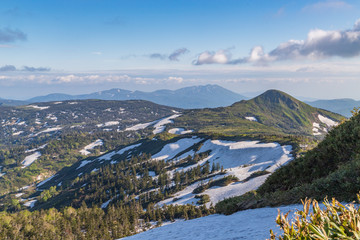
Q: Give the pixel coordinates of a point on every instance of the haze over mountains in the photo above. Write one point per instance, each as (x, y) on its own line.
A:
(341, 106)
(203, 96)
(188, 97)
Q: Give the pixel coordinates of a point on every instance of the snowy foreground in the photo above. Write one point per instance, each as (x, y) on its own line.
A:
(250, 224)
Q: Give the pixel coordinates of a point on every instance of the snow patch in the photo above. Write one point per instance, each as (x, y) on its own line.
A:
(327, 121)
(105, 204)
(160, 125)
(169, 151)
(179, 131)
(109, 155)
(19, 194)
(30, 159)
(108, 124)
(38, 107)
(17, 133)
(83, 163)
(140, 126)
(92, 145)
(45, 181)
(253, 119)
(30, 203)
(35, 149)
(48, 130)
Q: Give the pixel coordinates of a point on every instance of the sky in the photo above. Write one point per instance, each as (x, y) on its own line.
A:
(305, 48)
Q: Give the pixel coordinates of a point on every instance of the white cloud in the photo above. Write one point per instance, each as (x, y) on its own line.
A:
(319, 44)
(221, 57)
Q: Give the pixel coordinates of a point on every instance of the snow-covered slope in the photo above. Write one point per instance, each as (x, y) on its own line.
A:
(250, 224)
(240, 159)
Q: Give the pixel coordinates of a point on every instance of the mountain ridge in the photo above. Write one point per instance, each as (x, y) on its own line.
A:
(188, 97)
(273, 112)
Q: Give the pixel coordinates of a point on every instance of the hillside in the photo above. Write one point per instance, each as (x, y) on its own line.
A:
(273, 112)
(177, 167)
(38, 140)
(29, 122)
(188, 97)
(329, 170)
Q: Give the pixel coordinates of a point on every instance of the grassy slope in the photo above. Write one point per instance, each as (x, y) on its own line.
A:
(276, 112)
(332, 169)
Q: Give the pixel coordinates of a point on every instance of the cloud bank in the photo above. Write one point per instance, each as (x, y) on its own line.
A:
(12, 68)
(319, 44)
(174, 56)
(8, 35)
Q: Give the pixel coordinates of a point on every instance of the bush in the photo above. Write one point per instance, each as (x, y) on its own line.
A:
(222, 182)
(336, 221)
(204, 198)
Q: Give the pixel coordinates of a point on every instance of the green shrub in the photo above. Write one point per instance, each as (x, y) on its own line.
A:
(222, 182)
(204, 198)
(336, 221)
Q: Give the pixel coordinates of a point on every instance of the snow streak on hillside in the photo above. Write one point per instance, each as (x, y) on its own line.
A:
(30, 159)
(169, 151)
(160, 126)
(253, 224)
(96, 143)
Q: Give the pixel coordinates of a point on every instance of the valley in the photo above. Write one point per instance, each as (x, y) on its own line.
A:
(143, 158)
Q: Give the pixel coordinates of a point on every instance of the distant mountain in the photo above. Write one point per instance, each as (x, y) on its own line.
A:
(53, 97)
(341, 106)
(272, 112)
(8, 102)
(188, 97)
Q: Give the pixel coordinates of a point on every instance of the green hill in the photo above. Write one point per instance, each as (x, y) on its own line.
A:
(273, 112)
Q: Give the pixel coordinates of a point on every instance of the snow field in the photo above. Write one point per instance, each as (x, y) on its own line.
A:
(252, 224)
(238, 158)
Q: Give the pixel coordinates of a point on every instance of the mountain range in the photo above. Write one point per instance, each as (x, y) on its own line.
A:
(206, 96)
(188, 97)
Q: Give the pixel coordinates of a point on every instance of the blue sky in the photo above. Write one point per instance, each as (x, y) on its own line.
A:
(306, 48)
